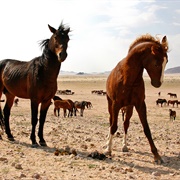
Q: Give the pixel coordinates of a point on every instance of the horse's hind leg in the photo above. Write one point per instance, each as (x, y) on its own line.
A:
(143, 117)
(34, 120)
(113, 111)
(129, 112)
(7, 109)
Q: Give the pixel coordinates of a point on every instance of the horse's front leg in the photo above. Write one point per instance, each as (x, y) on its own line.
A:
(34, 120)
(7, 110)
(43, 113)
(143, 117)
(82, 110)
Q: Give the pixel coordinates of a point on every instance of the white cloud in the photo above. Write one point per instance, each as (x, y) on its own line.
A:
(101, 30)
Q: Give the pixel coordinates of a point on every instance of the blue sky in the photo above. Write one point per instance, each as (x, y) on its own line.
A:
(102, 30)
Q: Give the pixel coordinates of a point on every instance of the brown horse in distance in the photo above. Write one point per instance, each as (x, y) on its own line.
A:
(64, 104)
(172, 95)
(173, 102)
(35, 80)
(172, 114)
(125, 85)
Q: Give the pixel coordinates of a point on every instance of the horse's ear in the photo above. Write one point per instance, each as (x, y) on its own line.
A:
(53, 30)
(164, 43)
(154, 50)
(164, 40)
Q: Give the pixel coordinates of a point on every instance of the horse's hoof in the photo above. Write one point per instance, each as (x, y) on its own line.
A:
(35, 145)
(43, 144)
(107, 153)
(125, 149)
(11, 139)
(158, 161)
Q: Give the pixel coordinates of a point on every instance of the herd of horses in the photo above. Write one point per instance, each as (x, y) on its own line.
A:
(65, 92)
(37, 80)
(70, 106)
(99, 92)
(165, 102)
(172, 113)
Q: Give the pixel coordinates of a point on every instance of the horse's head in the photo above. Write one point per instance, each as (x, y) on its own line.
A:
(59, 41)
(156, 61)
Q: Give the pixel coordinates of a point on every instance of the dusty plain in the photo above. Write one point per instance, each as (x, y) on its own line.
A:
(18, 160)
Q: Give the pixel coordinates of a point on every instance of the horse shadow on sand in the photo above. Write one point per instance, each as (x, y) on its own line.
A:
(170, 162)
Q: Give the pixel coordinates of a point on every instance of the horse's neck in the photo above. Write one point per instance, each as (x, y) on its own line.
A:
(51, 64)
(133, 71)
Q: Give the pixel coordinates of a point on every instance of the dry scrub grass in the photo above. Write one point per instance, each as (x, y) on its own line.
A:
(87, 134)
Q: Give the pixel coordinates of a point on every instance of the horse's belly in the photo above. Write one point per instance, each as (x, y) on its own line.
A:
(18, 91)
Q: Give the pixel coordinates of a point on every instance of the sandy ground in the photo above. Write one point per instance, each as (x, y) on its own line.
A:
(84, 135)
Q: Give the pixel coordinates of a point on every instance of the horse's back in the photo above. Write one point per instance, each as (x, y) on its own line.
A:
(26, 79)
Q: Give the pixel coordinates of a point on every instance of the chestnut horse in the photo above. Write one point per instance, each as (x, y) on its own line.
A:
(125, 85)
(173, 102)
(35, 80)
(64, 104)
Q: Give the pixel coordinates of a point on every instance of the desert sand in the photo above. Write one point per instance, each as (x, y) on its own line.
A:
(87, 134)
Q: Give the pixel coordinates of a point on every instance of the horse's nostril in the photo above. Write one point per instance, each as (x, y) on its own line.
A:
(63, 55)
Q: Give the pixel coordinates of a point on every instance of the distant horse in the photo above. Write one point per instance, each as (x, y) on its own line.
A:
(178, 103)
(172, 114)
(161, 101)
(125, 85)
(172, 95)
(64, 104)
(35, 80)
(173, 102)
(56, 98)
(79, 105)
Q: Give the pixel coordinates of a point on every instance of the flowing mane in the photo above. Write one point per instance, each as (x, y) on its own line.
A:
(148, 38)
(44, 43)
(62, 28)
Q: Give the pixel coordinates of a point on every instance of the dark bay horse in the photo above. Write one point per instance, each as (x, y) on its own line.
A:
(161, 101)
(35, 80)
(79, 105)
(125, 85)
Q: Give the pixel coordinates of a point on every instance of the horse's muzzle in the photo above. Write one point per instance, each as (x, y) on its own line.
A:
(156, 84)
(62, 56)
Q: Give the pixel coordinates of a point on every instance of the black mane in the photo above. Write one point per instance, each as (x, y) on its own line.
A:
(44, 43)
(63, 29)
(47, 53)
